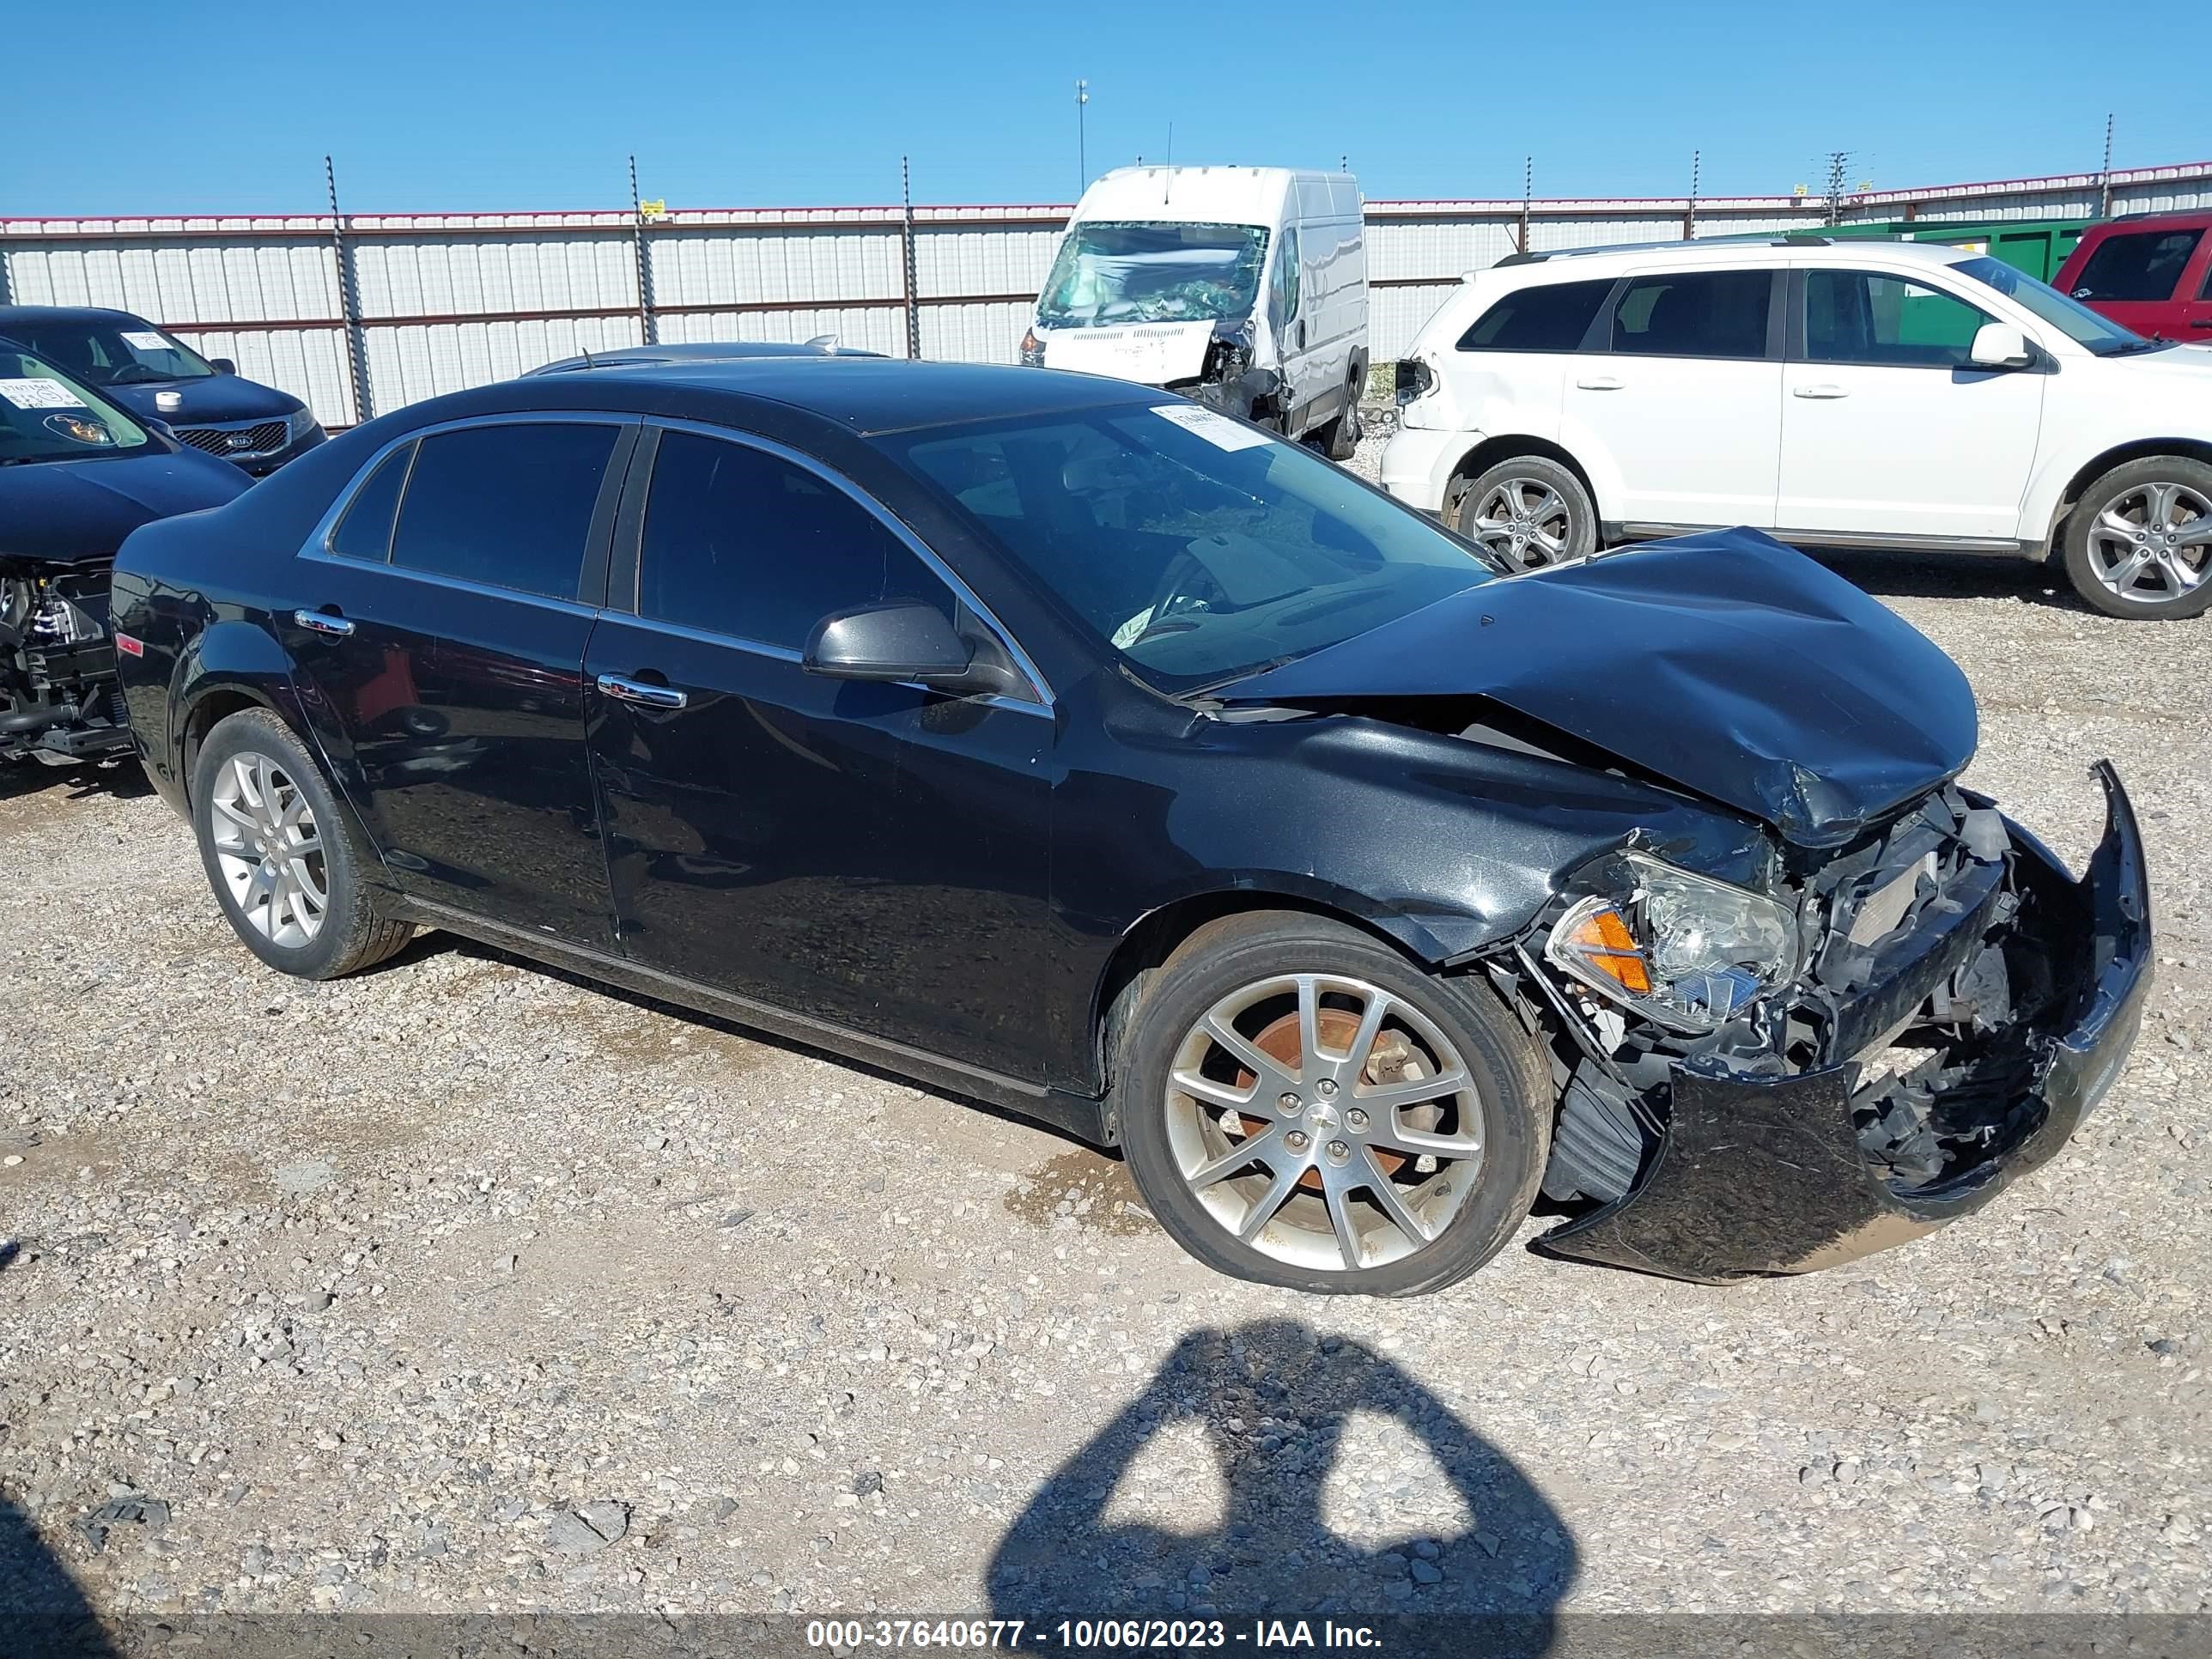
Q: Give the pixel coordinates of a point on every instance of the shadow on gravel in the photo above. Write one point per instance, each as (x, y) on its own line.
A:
(42, 1607)
(124, 780)
(1272, 1400)
(1952, 575)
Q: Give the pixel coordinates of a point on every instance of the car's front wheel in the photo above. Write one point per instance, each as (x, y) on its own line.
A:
(1300, 1106)
(284, 863)
(2139, 543)
(1528, 512)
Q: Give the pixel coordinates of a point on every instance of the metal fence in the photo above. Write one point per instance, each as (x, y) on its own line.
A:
(362, 314)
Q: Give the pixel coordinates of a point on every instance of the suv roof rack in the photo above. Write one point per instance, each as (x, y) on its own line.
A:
(1766, 237)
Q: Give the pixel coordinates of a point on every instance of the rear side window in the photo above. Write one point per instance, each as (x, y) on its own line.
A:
(1553, 317)
(1697, 314)
(743, 543)
(1859, 317)
(2143, 264)
(509, 505)
(365, 532)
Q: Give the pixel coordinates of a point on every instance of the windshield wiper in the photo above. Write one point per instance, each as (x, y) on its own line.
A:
(2132, 348)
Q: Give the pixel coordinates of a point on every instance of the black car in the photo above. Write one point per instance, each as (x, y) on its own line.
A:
(1064, 744)
(76, 475)
(157, 377)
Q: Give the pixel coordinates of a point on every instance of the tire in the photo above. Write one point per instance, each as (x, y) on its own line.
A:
(254, 787)
(1294, 1203)
(1555, 522)
(2119, 547)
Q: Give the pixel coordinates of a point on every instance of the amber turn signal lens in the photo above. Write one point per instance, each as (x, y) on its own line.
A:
(1602, 940)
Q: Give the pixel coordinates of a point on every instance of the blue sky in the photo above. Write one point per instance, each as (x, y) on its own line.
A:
(480, 104)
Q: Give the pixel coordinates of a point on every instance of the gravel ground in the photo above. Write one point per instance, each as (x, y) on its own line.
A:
(464, 1286)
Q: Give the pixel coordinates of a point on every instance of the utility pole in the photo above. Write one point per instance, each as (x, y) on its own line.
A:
(2104, 178)
(649, 327)
(1839, 169)
(1082, 149)
(348, 305)
(1528, 190)
(913, 298)
(1690, 217)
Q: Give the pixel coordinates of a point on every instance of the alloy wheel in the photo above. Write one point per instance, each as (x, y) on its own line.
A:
(1324, 1121)
(2152, 544)
(1524, 521)
(269, 850)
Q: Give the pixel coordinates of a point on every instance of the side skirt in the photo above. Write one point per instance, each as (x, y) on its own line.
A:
(1994, 547)
(1075, 1115)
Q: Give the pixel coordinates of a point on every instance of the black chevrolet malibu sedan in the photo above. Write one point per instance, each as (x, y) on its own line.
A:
(1065, 745)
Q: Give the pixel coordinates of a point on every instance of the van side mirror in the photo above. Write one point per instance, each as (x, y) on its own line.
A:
(2000, 346)
(223, 365)
(899, 642)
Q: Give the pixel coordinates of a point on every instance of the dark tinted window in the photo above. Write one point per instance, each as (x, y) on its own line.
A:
(1859, 317)
(1699, 313)
(742, 542)
(365, 532)
(507, 505)
(1551, 317)
(2144, 265)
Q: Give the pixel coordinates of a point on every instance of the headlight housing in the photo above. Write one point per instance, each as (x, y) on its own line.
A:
(298, 423)
(1032, 350)
(1685, 950)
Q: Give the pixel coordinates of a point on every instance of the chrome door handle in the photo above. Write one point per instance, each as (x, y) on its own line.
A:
(322, 622)
(644, 691)
(1821, 391)
(1602, 383)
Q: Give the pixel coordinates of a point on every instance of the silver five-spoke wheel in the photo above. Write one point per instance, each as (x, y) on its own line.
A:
(1323, 1121)
(1524, 521)
(2152, 544)
(269, 850)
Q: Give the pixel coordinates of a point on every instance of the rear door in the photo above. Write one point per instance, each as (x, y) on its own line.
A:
(1676, 408)
(446, 639)
(1887, 430)
(873, 856)
(2146, 279)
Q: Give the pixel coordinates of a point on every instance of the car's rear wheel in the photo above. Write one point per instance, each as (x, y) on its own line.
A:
(1300, 1106)
(284, 862)
(2139, 543)
(1528, 512)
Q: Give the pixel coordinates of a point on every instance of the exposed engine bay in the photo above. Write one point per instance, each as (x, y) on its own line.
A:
(60, 703)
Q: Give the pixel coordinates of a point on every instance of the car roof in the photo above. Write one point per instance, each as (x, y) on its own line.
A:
(22, 314)
(1566, 264)
(2191, 219)
(864, 396)
(698, 351)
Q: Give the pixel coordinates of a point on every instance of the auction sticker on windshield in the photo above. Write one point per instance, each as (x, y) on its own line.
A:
(1216, 428)
(40, 394)
(144, 339)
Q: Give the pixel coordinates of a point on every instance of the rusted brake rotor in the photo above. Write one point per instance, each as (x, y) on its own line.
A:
(1390, 1058)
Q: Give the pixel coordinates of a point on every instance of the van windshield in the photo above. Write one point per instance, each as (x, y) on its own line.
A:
(1131, 271)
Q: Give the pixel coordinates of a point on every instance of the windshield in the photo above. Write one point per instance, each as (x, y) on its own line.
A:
(2070, 316)
(1129, 273)
(1198, 548)
(46, 417)
(113, 354)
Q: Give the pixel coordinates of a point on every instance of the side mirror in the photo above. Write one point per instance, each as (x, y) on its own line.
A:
(2000, 346)
(899, 641)
(223, 365)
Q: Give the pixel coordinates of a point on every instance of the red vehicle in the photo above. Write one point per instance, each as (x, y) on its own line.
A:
(2152, 273)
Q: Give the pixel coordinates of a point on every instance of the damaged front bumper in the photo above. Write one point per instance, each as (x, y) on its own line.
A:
(1757, 1175)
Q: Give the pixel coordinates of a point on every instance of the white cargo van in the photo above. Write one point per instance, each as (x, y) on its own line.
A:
(1245, 287)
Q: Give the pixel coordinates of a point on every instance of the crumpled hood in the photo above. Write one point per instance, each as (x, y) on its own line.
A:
(1726, 663)
(71, 512)
(1150, 354)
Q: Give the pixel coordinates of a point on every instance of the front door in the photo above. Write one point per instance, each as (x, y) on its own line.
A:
(1887, 430)
(447, 652)
(1676, 413)
(873, 856)
(2144, 280)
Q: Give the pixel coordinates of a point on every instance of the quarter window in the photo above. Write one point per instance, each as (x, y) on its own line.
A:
(2145, 264)
(365, 532)
(1858, 317)
(509, 505)
(1699, 313)
(1551, 317)
(740, 542)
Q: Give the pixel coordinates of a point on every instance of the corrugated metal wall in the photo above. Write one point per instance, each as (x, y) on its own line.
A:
(450, 301)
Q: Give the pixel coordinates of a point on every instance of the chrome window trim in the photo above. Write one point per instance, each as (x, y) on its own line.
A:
(785, 654)
(875, 510)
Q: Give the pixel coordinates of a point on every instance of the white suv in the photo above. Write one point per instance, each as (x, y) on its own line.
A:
(1835, 393)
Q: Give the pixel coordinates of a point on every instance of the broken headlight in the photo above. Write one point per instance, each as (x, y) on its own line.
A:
(1686, 950)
